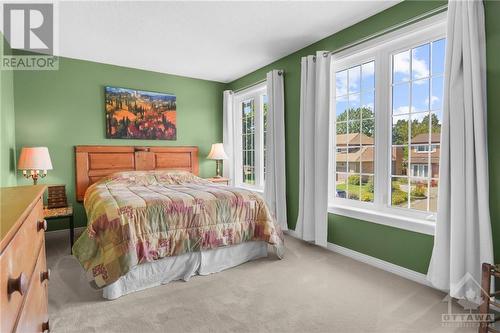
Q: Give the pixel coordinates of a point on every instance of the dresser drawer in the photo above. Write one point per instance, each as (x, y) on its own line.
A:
(19, 257)
(35, 308)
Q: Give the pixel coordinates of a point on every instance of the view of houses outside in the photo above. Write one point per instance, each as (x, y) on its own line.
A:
(248, 141)
(417, 93)
(248, 126)
(355, 132)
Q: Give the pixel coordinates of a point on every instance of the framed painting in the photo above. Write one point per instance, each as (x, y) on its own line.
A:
(138, 114)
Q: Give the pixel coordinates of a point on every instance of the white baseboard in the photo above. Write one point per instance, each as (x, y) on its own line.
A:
(372, 261)
(384, 265)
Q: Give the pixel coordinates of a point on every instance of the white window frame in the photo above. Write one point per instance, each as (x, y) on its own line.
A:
(381, 51)
(256, 92)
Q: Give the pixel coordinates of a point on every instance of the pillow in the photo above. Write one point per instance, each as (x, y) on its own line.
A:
(145, 178)
(130, 178)
(173, 177)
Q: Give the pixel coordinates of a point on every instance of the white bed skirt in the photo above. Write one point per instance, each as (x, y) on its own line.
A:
(183, 267)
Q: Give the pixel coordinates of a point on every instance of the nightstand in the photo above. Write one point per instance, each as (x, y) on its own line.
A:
(61, 213)
(220, 180)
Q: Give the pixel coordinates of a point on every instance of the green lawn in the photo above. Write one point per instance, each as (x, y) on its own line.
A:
(398, 196)
(361, 190)
(354, 188)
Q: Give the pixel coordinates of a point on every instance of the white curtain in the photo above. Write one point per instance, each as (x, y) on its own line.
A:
(275, 187)
(227, 135)
(312, 222)
(463, 239)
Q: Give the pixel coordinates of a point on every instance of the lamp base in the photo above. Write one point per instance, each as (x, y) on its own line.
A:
(34, 176)
(217, 169)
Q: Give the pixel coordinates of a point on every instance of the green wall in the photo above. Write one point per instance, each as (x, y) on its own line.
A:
(405, 248)
(7, 134)
(63, 108)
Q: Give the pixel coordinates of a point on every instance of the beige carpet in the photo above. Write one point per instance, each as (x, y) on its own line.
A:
(311, 290)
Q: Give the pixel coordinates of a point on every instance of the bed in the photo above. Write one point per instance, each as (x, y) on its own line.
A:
(152, 220)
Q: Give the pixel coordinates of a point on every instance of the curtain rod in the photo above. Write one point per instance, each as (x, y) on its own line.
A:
(420, 17)
(280, 72)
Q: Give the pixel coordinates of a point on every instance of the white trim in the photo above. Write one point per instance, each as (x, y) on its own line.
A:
(384, 218)
(381, 264)
(250, 188)
(255, 93)
(251, 90)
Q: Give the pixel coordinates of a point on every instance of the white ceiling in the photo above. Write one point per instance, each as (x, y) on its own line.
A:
(218, 41)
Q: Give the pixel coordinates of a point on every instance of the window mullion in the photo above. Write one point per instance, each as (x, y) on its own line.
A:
(382, 130)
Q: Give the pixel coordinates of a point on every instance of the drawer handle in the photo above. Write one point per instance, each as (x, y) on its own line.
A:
(45, 275)
(45, 326)
(42, 225)
(20, 284)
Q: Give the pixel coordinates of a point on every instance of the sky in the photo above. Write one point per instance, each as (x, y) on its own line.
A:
(417, 82)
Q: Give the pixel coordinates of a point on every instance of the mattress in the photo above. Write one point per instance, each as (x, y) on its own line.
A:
(140, 217)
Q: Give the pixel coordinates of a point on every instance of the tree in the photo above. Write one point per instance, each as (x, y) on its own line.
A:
(400, 128)
(367, 125)
(400, 132)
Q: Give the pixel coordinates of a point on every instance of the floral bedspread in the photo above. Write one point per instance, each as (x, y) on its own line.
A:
(136, 217)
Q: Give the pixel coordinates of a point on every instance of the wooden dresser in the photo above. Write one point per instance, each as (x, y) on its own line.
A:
(23, 269)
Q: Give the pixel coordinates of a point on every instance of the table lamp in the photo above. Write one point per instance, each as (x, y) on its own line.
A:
(217, 153)
(34, 161)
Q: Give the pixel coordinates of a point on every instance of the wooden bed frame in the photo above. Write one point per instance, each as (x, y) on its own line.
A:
(94, 162)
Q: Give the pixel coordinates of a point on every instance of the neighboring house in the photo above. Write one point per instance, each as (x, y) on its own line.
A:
(355, 154)
(419, 155)
(360, 158)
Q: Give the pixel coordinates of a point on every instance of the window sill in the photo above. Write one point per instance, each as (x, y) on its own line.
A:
(249, 188)
(392, 220)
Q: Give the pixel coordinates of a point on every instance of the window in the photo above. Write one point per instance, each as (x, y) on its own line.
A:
(248, 141)
(250, 106)
(417, 92)
(420, 170)
(425, 148)
(355, 130)
(387, 99)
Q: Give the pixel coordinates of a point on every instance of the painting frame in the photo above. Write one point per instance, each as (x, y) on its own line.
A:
(139, 114)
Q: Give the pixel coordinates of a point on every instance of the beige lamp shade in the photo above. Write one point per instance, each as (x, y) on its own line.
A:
(217, 152)
(34, 158)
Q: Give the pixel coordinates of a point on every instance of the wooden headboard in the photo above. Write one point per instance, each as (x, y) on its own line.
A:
(94, 162)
